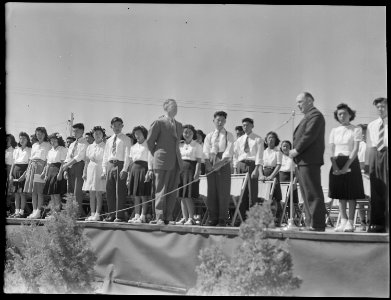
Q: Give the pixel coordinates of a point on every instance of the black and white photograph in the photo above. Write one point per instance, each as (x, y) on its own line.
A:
(196, 149)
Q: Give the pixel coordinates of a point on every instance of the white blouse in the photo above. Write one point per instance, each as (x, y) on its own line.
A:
(286, 164)
(271, 157)
(139, 152)
(191, 151)
(344, 137)
(95, 152)
(40, 151)
(9, 153)
(21, 156)
(57, 155)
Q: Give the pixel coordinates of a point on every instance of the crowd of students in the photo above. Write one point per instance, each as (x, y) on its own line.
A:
(134, 164)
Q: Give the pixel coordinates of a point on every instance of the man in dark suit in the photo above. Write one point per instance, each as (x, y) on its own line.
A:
(163, 143)
(307, 152)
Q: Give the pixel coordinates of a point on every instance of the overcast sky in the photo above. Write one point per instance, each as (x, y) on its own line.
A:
(104, 60)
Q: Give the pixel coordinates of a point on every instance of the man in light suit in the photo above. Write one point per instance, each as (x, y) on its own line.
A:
(163, 143)
(307, 152)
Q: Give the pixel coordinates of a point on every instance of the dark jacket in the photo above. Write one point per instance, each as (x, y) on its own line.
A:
(308, 139)
(163, 142)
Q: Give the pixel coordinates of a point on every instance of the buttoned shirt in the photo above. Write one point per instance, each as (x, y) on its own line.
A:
(373, 132)
(286, 163)
(272, 157)
(225, 143)
(191, 151)
(9, 155)
(57, 155)
(344, 137)
(122, 146)
(22, 156)
(40, 150)
(140, 152)
(95, 152)
(80, 152)
(255, 153)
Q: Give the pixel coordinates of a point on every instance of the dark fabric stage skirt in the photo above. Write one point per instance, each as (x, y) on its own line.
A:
(137, 186)
(187, 175)
(52, 185)
(18, 171)
(277, 195)
(348, 186)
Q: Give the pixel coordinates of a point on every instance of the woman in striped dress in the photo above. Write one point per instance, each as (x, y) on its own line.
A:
(34, 183)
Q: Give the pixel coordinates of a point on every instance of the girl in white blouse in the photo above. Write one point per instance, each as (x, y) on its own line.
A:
(34, 183)
(9, 152)
(93, 182)
(139, 183)
(17, 175)
(272, 158)
(345, 179)
(192, 154)
(55, 184)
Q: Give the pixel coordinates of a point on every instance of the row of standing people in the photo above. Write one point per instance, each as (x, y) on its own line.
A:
(166, 155)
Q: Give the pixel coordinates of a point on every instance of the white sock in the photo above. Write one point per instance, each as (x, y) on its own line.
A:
(16, 211)
(21, 211)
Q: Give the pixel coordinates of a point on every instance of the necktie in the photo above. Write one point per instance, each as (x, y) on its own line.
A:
(246, 146)
(215, 147)
(114, 149)
(380, 144)
(74, 149)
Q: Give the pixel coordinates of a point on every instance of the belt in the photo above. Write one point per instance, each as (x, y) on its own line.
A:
(247, 161)
(115, 161)
(269, 167)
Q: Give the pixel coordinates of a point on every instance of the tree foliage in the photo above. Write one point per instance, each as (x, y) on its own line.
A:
(258, 267)
(55, 258)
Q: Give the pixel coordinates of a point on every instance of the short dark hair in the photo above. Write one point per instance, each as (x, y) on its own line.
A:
(13, 141)
(220, 113)
(143, 130)
(79, 126)
(240, 128)
(363, 126)
(191, 127)
(351, 112)
(89, 133)
(249, 120)
(58, 137)
(98, 128)
(71, 138)
(288, 142)
(43, 130)
(116, 119)
(275, 135)
(308, 95)
(27, 137)
(200, 132)
(378, 100)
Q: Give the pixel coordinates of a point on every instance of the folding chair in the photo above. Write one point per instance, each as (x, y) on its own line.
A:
(266, 189)
(238, 186)
(287, 198)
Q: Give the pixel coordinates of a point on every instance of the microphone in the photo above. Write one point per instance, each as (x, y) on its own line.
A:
(293, 113)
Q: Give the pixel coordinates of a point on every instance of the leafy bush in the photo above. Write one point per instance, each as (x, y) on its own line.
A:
(258, 267)
(55, 258)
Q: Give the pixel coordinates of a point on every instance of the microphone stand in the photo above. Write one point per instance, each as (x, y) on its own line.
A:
(291, 224)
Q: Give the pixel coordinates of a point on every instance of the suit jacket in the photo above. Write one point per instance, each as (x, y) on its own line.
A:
(163, 143)
(308, 138)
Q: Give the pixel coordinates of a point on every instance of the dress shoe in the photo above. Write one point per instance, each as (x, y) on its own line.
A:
(341, 226)
(181, 221)
(109, 219)
(157, 222)
(212, 223)
(376, 229)
(320, 229)
(349, 227)
(119, 220)
(190, 221)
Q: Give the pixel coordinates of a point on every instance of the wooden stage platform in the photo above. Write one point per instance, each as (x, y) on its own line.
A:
(165, 256)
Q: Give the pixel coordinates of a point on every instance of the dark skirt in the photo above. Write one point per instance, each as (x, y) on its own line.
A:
(187, 175)
(52, 185)
(18, 171)
(348, 186)
(277, 195)
(137, 184)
